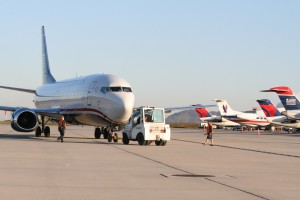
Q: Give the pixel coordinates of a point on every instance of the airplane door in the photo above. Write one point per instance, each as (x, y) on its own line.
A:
(90, 93)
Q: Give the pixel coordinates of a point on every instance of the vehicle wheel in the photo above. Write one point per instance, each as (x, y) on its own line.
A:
(47, 131)
(105, 133)
(164, 143)
(109, 137)
(115, 137)
(158, 142)
(97, 133)
(125, 139)
(38, 132)
(141, 139)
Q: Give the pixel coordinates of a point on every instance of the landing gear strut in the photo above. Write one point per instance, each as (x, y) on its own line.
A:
(44, 129)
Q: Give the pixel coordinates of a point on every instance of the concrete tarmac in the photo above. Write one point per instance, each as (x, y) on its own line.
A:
(239, 166)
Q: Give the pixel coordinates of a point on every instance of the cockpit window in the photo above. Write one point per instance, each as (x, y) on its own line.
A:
(127, 89)
(104, 89)
(115, 89)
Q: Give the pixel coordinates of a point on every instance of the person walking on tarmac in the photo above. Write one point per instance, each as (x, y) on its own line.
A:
(209, 133)
(61, 128)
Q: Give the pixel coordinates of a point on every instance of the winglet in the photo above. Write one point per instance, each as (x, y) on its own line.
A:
(47, 76)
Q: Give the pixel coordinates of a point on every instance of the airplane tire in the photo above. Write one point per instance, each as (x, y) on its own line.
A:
(164, 143)
(115, 138)
(38, 132)
(47, 131)
(158, 142)
(125, 139)
(141, 139)
(97, 133)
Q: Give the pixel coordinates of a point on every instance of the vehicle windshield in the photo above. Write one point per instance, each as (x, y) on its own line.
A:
(154, 115)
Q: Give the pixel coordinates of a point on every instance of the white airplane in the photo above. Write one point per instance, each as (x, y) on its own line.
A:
(289, 101)
(101, 100)
(205, 116)
(275, 117)
(244, 119)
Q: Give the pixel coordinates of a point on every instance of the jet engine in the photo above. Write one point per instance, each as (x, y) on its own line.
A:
(24, 120)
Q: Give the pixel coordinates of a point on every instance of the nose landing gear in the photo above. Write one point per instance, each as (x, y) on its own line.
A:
(107, 134)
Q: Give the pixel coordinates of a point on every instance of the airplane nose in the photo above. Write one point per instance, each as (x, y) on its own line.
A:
(123, 108)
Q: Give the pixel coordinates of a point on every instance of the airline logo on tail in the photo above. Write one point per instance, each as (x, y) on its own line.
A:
(225, 108)
(286, 96)
(202, 112)
(269, 109)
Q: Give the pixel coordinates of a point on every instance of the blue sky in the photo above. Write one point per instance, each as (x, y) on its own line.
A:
(173, 53)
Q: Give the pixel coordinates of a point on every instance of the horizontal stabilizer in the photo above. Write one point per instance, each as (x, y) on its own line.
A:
(281, 90)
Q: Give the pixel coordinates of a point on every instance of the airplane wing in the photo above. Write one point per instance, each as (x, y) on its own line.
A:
(19, 89)
(50, 112)
(170, 109)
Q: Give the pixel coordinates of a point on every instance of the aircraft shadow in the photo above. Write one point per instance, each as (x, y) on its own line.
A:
(77, 140)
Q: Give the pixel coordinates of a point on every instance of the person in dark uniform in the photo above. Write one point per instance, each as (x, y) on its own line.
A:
(61, 128)
(209, 133)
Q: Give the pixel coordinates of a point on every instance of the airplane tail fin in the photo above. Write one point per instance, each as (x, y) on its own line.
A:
(269, 109)
(47, 76)
(203, 112)
(286, 96)
(224, 108)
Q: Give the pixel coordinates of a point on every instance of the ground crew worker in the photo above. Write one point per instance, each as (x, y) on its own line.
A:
(209, 132)
(61, 128)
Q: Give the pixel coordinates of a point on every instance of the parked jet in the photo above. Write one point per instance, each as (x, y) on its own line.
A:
(289, 101)
(245, 119)
(205, 116)
(99, 100)
(275, 117)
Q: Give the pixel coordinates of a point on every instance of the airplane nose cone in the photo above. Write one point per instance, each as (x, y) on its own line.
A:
(123, 107)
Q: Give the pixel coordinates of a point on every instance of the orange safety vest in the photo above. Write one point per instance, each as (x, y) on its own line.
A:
(60, 123)
(209, 129)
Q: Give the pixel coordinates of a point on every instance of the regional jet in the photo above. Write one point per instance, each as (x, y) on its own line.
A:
(243, 118)
(104, 101)
(275, 117)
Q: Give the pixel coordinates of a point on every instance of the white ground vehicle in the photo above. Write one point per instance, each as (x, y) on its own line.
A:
(147, 124)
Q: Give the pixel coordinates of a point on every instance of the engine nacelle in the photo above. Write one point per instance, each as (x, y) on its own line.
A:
(24, 120)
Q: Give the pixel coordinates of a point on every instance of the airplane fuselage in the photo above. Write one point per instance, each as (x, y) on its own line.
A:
(248, 119)
(97, 100)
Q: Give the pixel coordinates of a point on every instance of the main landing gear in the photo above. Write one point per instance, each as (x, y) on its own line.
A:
(42, 129)
(107, 134)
